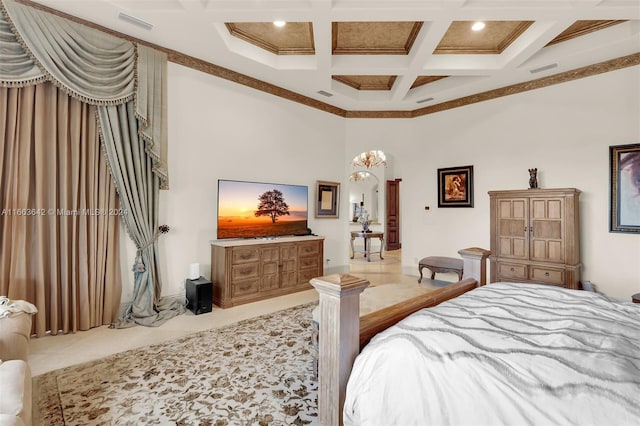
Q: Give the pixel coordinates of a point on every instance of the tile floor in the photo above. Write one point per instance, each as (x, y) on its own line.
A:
(54, 352)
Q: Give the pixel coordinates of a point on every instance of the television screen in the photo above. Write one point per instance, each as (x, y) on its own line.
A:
(255, 209)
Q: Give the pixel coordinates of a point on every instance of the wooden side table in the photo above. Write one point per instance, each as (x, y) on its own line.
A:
(636, 298)
(440, 264)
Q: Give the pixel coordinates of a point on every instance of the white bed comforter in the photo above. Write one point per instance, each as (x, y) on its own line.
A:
(510, 354)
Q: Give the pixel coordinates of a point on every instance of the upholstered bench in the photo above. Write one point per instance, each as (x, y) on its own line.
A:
(442, 265)
(15, 374)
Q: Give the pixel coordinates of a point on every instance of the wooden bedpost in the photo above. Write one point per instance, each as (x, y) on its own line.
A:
(339, 341)
(475, 263)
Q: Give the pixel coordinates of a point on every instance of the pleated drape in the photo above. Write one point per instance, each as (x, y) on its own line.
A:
(59, 212)
(139, 194)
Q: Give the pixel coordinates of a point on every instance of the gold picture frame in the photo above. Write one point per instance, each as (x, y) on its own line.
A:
(327, 199)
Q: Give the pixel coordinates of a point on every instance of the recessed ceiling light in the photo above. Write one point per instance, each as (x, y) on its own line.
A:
(279, 23)
(477, 26)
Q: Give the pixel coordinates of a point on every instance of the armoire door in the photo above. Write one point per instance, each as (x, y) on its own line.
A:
(513, 228)
(546, 229)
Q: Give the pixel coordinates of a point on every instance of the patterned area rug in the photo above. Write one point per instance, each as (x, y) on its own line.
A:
(255, 372)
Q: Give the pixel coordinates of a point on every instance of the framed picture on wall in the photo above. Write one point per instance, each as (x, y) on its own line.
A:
(624, 188)
(327, 199)
(455, 187)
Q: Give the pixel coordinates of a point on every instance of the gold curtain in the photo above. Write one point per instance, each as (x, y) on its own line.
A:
(59, 224)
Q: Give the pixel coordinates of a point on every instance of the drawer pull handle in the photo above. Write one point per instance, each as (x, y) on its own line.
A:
(512, 269)
(546, 274)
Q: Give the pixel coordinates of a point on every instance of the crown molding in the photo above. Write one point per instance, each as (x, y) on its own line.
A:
(249, 37)
(583, 29)
(367, 82)
(563, 77)
(254, 83)
(493, 50)
(356, 50)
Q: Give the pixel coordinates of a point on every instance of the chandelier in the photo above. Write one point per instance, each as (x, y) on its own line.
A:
(370, 159)
(358, 176)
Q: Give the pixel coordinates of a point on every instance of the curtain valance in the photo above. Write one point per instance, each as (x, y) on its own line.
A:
(96, 67)
(88, 64)
(17, 69)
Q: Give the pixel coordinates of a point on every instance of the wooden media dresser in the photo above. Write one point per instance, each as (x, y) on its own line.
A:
(244, 271)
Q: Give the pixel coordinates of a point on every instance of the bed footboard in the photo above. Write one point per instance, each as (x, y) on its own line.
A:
(375, 322)
(343, 332)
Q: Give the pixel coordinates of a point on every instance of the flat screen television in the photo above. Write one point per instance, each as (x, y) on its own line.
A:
(257, 209)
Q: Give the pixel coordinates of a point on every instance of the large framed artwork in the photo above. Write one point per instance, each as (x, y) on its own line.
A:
(327, 199)
(624, 196)
(455, 187)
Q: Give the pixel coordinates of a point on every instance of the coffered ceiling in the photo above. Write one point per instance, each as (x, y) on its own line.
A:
(357, 56)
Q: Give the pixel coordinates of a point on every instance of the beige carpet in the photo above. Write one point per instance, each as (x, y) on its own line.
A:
(255, 372)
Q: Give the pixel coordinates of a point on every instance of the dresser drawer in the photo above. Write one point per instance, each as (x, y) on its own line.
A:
(512, 270)
(305, 249)
(244, 271)
(243, 255)
(309, 262)
(305, 275)
(245, 287)
(547, 275)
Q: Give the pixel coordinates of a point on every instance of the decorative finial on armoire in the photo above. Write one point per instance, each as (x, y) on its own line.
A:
(533, 178)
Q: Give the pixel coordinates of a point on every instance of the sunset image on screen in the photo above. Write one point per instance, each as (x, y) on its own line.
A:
(250, 209)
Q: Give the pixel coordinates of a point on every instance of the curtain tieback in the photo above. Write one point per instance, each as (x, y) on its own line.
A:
(139, 265)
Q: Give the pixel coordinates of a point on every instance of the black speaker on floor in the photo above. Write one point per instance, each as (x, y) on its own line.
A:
(199, 295)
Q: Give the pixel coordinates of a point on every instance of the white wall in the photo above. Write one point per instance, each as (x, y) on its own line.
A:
(218, 129)
(564, 130)
(221, 130)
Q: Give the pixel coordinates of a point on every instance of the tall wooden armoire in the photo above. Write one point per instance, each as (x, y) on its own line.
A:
(535, 236)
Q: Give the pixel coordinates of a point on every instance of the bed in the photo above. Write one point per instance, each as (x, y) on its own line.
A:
(504, 353)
